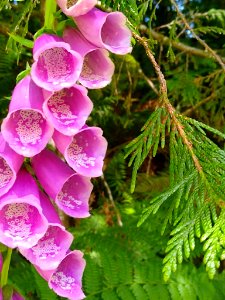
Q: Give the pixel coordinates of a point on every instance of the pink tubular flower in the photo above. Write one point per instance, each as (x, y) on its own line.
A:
(76, 7)
(10, 163)
(53, 246)
(97, 68)
(22, 223)
(106, 30)
(66, 279)
(69, 190)
(25, 128)
(67, 109)
(85, 151)
(55, 65)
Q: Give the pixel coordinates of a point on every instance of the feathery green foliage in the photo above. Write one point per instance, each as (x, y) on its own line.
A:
(193, 193)
(129, 268)
(134, 10)
(153, 134)
(176, 167)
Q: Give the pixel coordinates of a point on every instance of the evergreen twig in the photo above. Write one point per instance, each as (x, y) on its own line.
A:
(203, 43)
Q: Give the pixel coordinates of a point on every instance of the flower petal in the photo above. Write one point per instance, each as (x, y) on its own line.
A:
(53, 246)
(85, 151)
(75, 7)
(22, 223)
(10, 163)
(98, 69)
(25, 128)
(67, 109)
(56, 66)
(66, 280)
(70, 191)
(107, 30)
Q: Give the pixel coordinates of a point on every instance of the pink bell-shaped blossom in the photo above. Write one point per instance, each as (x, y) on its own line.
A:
(70, 191)
(22, 222)
(66, 279)
(53, 246)
(97, 68)
(85, 151)
(55, 65)
(76, 8)
(25, 128)
(106, 30)
(10, 163)
(67, 109)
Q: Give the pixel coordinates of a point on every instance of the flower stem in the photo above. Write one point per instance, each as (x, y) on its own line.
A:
(5, 268)
(50, 9)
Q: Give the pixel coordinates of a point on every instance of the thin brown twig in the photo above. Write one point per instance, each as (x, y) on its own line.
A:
(203, 43)
(119, 220)
(148, 80)
(161, 78)
(181, 33)
(165, 101)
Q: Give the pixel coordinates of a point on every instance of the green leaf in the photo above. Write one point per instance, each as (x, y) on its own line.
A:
(22, 74)
(22, 41)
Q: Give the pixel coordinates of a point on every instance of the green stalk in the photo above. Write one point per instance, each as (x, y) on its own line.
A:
(50, 9)
(5, 268)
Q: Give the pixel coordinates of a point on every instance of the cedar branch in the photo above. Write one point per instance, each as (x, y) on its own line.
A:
(165, 101)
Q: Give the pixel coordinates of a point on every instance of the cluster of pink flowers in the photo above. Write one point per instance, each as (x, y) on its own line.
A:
(52, 103)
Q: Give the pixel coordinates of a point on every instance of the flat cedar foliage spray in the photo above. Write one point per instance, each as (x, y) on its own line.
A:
(112, 162)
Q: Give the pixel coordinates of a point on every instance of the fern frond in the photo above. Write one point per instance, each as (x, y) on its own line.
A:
(125, 293)
(139, 292)
(144, 277)
(93, 286)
